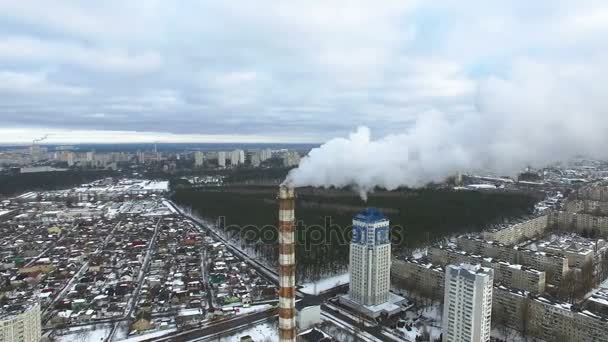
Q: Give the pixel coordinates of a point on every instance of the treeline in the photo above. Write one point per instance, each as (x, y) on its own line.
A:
(19, 183)
(245, 174)
(417, 216)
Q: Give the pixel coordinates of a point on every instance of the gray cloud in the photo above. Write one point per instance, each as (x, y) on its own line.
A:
(313, 68)
(537, 115)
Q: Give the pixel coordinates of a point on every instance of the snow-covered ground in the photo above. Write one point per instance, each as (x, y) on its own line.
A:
(155, 334)
(510, 335)
(325, 284)
(253, 308)
(89, 333)
(429, 319)
(264, 332)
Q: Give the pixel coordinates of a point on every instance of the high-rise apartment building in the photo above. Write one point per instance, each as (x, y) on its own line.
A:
(71, 158)
(265, 154)
(467, 303)
(255, 159)
(370, 258)
(291, 158)
(237, 157)
(198, 158)
(221, 159)
(21, 324)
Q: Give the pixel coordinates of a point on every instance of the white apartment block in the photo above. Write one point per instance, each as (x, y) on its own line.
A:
(265, 154)
(467, 303)
(370, 258)
(514, 233)
(199, 158)
(221, 159)
(237, 157)
(21, 326)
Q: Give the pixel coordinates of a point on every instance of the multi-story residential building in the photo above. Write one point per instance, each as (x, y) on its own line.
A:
(519, 277)
(418, 275)
(514, 233)
(512, 275)
(265, 154)
(370, 258)
(291, 158)
(255, 159)
(578, 250)
(555, 266)
(221, 159)
(478, 246)
(467, 303)
(545, 319)
(237, 157)
(592, 192)
(71, 158)
(21, 323)
(587, 206)
(579, 222)
(199, 158)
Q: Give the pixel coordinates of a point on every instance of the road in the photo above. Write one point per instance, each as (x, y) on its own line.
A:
(219, 327)
(143, 270)
(140, 280)
(208, 288)
(46, 314)
(362, 326)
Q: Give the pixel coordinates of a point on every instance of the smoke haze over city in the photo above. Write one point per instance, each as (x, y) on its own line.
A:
(538, 116)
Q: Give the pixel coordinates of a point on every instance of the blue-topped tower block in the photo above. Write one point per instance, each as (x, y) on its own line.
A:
(370, 258)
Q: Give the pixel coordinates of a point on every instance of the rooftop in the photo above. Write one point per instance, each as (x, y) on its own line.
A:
(370, 215)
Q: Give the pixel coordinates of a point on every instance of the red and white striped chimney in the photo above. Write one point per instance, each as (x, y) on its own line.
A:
(287, 265)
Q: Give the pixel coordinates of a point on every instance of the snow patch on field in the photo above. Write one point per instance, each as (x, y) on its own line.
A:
(265, 332)
(90, 333)
(148, 336)
(253, 308)
(325, 284)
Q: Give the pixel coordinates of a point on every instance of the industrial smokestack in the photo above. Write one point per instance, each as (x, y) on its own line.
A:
(287, 265)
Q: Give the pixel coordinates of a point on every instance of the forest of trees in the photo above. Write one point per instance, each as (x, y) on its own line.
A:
(416, 216)
(23, 182)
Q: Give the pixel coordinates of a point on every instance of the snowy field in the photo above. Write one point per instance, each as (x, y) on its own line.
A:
(427, 319)
(325, 284)
(89, 333)
(253, 308)
(155, 334)
(263, 332)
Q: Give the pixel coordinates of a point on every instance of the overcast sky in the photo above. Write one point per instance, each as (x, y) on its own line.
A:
(293, 71)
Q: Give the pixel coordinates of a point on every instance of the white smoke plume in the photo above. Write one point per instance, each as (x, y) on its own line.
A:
(539, 115)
